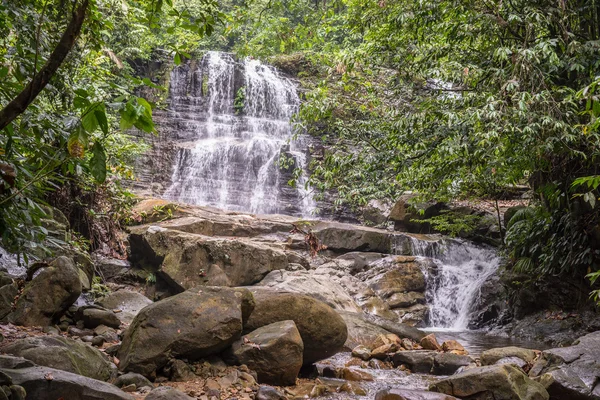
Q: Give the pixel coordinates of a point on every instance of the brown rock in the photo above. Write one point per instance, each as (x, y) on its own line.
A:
(430, 342)
(452, 346)
(352, 374)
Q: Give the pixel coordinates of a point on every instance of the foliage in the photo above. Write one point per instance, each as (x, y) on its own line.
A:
(240, 100)
(71, 136)
(453, 223)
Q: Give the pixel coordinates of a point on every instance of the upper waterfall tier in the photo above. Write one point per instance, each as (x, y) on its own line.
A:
(234, 120)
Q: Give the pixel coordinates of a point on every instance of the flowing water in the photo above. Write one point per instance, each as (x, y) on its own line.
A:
(461, 268)
(236, 116)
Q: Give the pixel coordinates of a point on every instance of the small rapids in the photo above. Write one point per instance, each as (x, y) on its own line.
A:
(461, 268)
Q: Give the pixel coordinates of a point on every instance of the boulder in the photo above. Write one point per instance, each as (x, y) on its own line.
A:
(406, 394)
(489, 357)
(449, 363)
(64, 354)
(452, 346)
(131, 378)
(192, 324)
(405, 214)
(322, 329)
(188, 260)
(43, 383)
(167, 393)
(47, 296)
(108, 268)
(571, 372)
(269, 393)
(399, 274)
(498, 382)
(419, 361)
(129, 304)
(376, 212)
(430, 342)
(273, 351)
(362, 352)
(93, 317)
(360, 330)
(317, 286)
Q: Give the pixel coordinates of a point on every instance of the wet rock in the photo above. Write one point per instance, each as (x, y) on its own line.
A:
(132, 378)
(274, 351)
(420, 361)
(167, 393)
(191, 325)
(188, 260)
(491, 356)
(403, 300)
(516, 361)
(43, 383)
(449, 363)
(93, 317)
(353, 374)
(499, 382)
(402, 274)
(345, 238)
(47, 296)
(401, 330)
(129, 304)
(64, 354)
(571, 372)
(406, 394)
(322, 329)
(269, 393)
(452, 346)
(430, 342)
(362, 352)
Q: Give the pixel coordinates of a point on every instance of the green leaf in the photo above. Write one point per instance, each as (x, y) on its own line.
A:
(100, 113)
(177, 59)
(98, 163)
(89, 121)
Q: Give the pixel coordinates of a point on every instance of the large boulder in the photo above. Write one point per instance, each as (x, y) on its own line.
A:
(43, 383)
(360, 330)
(491, 356)
(127, 302)
(273, 351)
(192, 324)
(64, 354)
(47, 296)
(571, 372)
(188, 260)
(322, 329)
(317, 286)
(406, 394)
(498, 382)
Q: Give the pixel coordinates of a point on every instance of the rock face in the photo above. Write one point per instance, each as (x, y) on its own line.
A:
(64, 354)
(323, 330)
(43, 383)
(187, 260)
(405, 394)
(498, 382)
(128, 302)
(47, 296)
(274, 351)
(571, 372)
(190, 325)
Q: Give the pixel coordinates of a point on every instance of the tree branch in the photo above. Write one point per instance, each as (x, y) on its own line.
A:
(20, 103)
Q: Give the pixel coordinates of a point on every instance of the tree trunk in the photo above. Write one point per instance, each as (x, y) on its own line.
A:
(39, 81)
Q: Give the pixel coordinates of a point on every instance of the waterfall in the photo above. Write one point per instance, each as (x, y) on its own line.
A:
(235, 117)
(461, 268)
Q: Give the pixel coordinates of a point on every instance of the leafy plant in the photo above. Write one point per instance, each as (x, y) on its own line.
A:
(239, 101)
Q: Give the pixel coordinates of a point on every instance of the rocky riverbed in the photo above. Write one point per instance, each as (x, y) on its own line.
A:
(217, 305)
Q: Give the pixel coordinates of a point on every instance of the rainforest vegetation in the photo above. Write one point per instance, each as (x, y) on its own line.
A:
(451, 99)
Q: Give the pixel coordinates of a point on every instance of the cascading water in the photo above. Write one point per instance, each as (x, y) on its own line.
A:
(236, 116)
(461, 269)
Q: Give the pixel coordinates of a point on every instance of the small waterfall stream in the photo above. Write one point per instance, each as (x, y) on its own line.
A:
(236, 116)
(461, 268)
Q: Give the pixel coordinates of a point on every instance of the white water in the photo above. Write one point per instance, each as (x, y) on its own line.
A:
(233, 160)
(453, 286)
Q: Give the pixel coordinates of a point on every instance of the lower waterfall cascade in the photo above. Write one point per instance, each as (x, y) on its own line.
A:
(461, 268)
(236, 119)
